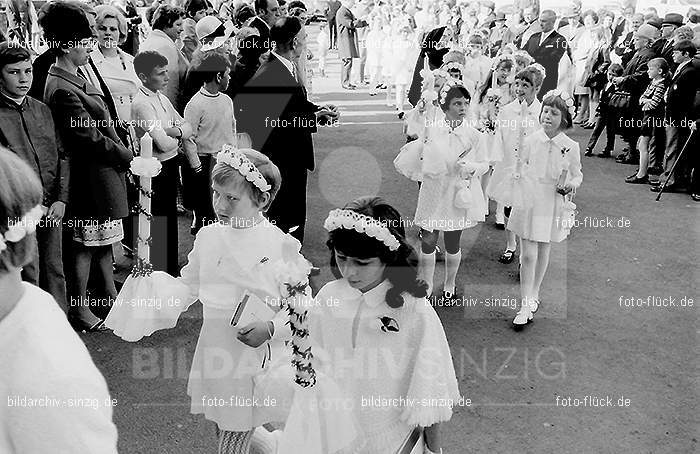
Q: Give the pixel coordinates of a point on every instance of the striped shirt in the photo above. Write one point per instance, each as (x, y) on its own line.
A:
(653, 97)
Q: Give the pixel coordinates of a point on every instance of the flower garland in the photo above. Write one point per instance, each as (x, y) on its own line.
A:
(352, 220)
(294, 289)
(25, 226)
(565, 97)
(238, 160)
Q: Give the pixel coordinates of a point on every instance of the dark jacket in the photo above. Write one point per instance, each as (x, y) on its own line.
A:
(625, 50)
(548, 55)
(28, 130)
(635, 74)
(348, 46)
(664, 48)
(98, 160)
(277, 115)
(680, 96)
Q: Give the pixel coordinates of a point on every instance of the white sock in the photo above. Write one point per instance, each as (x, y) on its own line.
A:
(263, 441)
(500, 215)
(452, 262)
(426, 269)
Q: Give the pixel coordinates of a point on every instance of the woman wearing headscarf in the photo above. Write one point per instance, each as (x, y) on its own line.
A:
(434, 46)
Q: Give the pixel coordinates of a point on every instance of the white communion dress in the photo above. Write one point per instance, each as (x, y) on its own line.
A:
(448, 153)
(394, 365)
(544, 160)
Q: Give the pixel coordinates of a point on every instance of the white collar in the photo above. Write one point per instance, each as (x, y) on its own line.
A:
(559, 140)
(678, 69)
(373, 297)
(546, 35)
(286, 62)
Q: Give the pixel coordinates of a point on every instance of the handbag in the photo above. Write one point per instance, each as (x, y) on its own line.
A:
(567, 216)
(620, 100)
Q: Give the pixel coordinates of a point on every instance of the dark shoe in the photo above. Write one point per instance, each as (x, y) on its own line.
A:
(605, 154)
(695, 197)
(672, 188)
(621, 157)
(632, 179)
(588, 126)
(507, 256)
(588, 152)
(629, 160)
(349, 87)
(500, 226)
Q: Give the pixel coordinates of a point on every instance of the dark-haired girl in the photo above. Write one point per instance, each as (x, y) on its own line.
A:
(552, 161)
(450, 198)
(382, 337)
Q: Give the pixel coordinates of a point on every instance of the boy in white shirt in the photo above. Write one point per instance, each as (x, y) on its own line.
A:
(154, 113)
(210, 112)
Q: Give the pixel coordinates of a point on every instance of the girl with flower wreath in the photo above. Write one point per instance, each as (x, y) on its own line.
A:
(377, 334)
(516, 121)
(231, 262)
(551, 160)
(450, 198)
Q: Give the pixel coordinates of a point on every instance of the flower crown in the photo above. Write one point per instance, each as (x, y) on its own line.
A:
(238, 160)
(453, 65)
(501, 58)
(18, 230)
(451, 82)
(565, 97)
(352, 220)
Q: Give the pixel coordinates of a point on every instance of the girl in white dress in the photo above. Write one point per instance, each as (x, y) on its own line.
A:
(403, 61)
(229, 260)
(374, 42)
(377, 334)
(516, 121)
(450, 197)
(553, 163)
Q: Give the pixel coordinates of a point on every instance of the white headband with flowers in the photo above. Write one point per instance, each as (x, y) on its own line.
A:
(453, 65)
(352, 220)
(238, 160)
(565, 97)
(18, 230)
(452, 82)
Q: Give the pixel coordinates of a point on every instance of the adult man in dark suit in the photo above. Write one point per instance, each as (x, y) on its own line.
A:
(663, 47)
(281, 120)
(680, 99)
(331, 11)
(268, 11)
(623, 24)
(547, 48)
(347, 40)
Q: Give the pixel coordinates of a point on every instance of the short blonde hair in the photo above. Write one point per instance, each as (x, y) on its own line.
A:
(20, 191)
(110, 12)
(224, 174)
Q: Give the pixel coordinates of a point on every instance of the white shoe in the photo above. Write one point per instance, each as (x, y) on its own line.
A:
(523, 317)
(534, 305)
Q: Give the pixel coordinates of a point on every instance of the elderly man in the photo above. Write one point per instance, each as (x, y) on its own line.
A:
(625, 47)
(347, 40)
(547, 48)
(664, 46)
(268, 11)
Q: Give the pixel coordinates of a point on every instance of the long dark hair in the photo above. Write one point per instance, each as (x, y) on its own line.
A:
(401, 265)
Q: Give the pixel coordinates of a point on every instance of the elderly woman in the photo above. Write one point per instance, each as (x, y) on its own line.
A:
(115, 66)
(167, 26)
(98, 159)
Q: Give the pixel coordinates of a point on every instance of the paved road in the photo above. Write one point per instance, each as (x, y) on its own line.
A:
(586, 340)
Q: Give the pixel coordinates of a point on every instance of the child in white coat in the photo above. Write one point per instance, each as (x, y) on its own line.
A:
(552, 163)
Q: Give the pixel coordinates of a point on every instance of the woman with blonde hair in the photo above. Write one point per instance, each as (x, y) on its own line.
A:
(115, 66)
